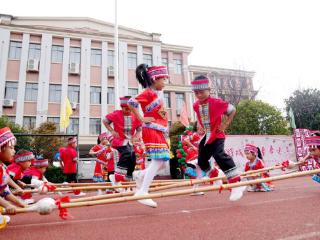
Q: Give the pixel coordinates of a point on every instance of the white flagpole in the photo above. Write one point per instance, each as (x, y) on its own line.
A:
(116, 57)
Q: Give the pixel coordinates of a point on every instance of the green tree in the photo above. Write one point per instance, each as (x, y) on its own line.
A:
(256, 117)
(46, 146)
(23, 142)
(306, 108)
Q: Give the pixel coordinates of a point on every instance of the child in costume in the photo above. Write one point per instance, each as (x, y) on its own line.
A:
(214, 115)
(22, 161)
(7, 199)
(313, 158)
(126, 127)
(34, 175)
(255, 162)
(102, 167)
(155, 124)
(139, 150)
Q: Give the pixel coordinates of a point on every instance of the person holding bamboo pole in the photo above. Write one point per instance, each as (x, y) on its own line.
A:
(155, 124)
(7, 199)
(214, 115)
(313, 143)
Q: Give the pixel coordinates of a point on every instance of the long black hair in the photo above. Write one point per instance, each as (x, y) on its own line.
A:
(259, 154)
(142, 75)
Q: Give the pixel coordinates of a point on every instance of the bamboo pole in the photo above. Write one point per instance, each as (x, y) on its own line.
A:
(132, 183)
(189, 191)
(185, 183)
(125, 196)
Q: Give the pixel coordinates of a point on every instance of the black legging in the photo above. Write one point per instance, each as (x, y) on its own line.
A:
(216, 150)
(127, 159)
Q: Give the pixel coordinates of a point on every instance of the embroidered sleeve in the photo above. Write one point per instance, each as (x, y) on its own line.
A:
(230, 109)
(106, 120)
(133, 102)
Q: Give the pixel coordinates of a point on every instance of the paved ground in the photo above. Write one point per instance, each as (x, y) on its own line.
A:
(289, 213)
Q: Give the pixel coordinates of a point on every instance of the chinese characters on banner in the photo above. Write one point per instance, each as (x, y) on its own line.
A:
(299, 136)
(274, 148)
(302, 149)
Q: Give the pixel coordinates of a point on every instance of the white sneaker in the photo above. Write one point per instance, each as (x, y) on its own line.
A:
(251, 189)
(147, 202)
(138, 177)
(219, 182)
(237, 193)
(197, 194)
(99, 192)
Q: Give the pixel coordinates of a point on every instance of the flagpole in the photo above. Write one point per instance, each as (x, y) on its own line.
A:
(116, 57)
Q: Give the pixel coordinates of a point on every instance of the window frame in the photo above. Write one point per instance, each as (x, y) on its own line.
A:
(14, 90)
(33, 94)
(13, 53)
(56, 53)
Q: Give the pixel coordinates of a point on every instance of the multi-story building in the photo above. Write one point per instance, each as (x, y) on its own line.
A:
(43, 60)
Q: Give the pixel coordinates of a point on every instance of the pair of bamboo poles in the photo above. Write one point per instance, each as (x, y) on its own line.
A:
(159, 185)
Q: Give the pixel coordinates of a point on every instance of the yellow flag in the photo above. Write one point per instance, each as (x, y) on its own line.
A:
(66, 112)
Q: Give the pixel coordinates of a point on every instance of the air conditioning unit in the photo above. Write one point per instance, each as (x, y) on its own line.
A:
(8, 103)
(33, 65)
(110, 71)
(74, 68)
(74, 105)
(178, 111)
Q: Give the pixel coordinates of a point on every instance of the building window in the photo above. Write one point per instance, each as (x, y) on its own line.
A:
(57, 54)
(110, 95)
(177, 66)
(132, 60)
(15, 50)
(166, 96)
(34, 51)
(132, 91)
(54, 93)
(110, 58)
(74, 94)
(147, 59)
(169, 123)
(95, 126)
(179, 101)
(31, 92)
(95, 95)
(165, 62)
(96, 57)
(11, 90)
(73, 127)
(29, 122)
(56, 121)
(75, 55)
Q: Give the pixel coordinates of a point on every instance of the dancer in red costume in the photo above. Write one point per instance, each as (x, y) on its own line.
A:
(155, 124)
